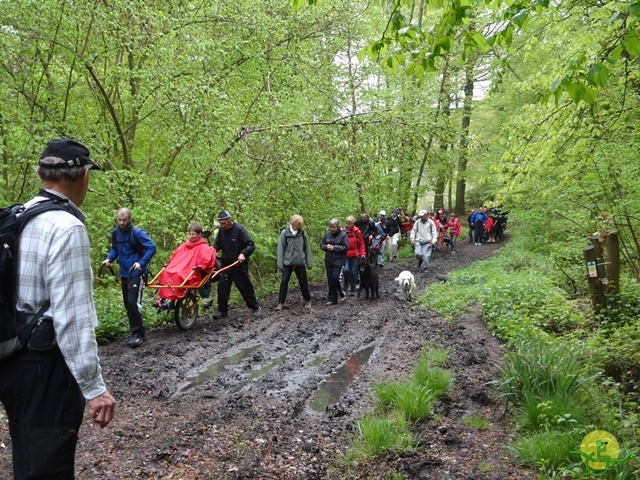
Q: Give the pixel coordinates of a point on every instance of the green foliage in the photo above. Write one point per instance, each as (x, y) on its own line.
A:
(376, 436)
(544, 371)
(476, 421)
(515, 310)
(546, 450)
(413, 397)
(558, 412)
(413, 401)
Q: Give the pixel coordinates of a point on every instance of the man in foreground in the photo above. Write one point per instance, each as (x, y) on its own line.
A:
(45, 387)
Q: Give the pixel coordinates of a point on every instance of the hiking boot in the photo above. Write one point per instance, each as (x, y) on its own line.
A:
(135, 341)
(218, 314)
(343, 297)
(307, 304)
(257, 312)
(280, 306)
(331, 303)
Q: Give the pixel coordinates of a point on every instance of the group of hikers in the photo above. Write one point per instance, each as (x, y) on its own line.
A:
(363, 239)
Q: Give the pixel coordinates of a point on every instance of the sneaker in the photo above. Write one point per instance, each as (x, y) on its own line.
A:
(343, 297)
(307, 305)
(218, 314)
(135, 341)
(331, 303)
(257, 312)
(279, 307)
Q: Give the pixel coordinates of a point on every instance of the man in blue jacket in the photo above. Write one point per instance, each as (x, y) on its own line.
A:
(478, 220)
(134, 250)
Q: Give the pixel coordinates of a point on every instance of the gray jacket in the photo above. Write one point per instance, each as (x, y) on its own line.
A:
(424, 232)
(293, 249)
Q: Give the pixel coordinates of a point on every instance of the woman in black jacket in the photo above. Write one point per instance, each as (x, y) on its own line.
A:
(335, 245)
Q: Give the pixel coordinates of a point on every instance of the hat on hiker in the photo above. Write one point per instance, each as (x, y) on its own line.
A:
(422, 212)
(224, 215)
(73, 154)
(382, 212)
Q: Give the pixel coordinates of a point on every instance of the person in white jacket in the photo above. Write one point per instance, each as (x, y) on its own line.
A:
(424, 236)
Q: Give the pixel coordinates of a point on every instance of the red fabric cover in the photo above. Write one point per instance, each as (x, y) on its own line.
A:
(181, 264)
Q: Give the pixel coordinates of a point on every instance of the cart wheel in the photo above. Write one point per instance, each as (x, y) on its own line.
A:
(186, 311)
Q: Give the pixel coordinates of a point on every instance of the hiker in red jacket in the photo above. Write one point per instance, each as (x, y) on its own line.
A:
(355, 254)
(455, 229)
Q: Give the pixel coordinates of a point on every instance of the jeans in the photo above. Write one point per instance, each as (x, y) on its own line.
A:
(350, 272)
(423, 253)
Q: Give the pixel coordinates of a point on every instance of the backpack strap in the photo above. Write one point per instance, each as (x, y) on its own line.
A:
(133, 241)
(25, 335)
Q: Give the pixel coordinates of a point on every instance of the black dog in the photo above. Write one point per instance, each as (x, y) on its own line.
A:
(368, 280)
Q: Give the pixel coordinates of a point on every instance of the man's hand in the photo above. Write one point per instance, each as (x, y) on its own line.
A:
(106, 263)
(241, 258)
(102, 409)
(136, 266)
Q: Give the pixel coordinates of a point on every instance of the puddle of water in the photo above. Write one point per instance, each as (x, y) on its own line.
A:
(317, 361)
(331, 389)
(270, 366)
(217, 367)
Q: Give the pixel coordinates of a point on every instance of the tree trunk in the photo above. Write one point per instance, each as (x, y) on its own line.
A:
(464, 135)
(439, 107)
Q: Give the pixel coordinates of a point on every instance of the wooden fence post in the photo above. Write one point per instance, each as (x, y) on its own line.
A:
(613, 263)
(594, 269)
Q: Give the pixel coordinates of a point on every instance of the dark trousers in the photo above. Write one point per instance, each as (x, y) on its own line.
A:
(240, 276)
(333, 281)
(301, 275)
(479, 233)
(45, 407)
(132, 296)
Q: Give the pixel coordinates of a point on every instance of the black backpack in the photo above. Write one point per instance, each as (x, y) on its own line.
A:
(14, 333)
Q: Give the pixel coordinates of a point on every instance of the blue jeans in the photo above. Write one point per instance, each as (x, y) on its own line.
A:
(351, 272)
(381, 257)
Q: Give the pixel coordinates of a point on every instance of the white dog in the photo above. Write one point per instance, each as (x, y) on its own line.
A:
(408, 284)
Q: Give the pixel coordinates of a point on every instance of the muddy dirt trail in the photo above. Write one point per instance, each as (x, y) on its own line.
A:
(247, 397)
